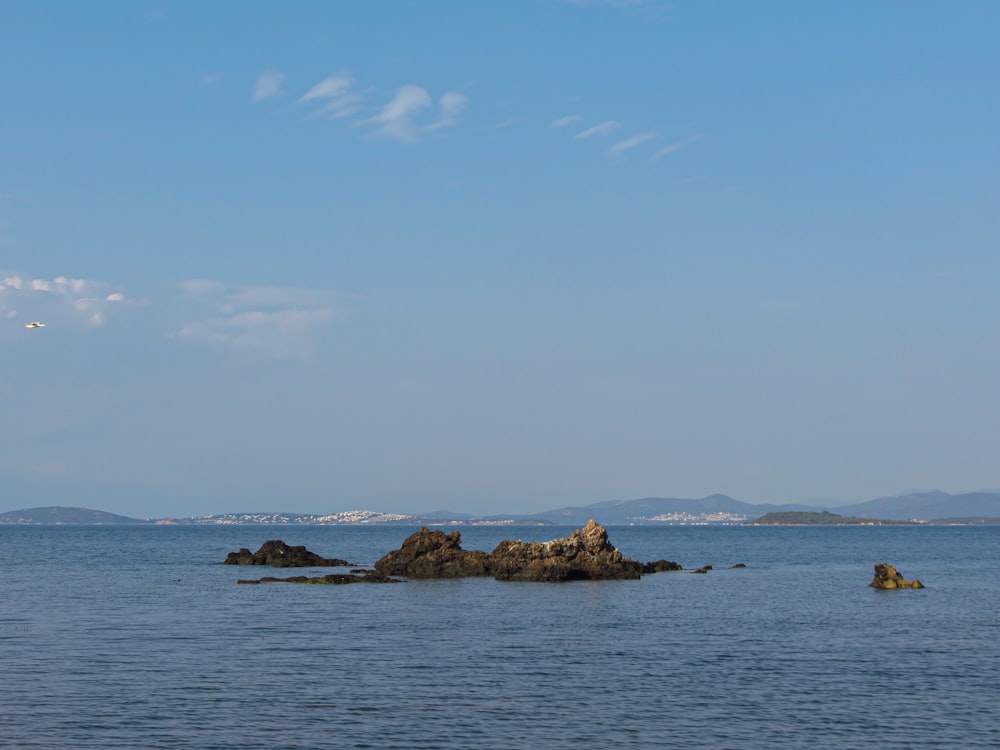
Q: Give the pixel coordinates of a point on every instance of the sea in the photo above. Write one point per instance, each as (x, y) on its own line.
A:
(138, 637)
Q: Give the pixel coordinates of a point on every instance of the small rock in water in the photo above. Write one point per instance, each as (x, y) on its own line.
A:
(280, 555)
(331, 579)
(886, 577)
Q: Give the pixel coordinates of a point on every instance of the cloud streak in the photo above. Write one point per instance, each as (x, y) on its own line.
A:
(279, 322)
(268, 86)
(605, 128)
(337, 96)
(674, 147)
(564, 121)
(629, 143)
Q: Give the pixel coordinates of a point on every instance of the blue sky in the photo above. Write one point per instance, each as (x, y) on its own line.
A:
(496, 256)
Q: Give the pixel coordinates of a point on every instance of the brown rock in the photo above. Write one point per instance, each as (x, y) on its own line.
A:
(586, 554)
(886, 577)
(279, 555)
(434, 554)
(658, 566)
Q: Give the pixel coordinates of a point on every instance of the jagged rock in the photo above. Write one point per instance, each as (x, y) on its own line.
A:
(332, 579)
(584, 555)
(703, 569)
(886, 577)
(658, 566)
(738, 565)
(279, 555)
(434, 554)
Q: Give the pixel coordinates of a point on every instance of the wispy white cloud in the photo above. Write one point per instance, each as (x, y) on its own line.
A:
(452, 105)
(630, 143)
(674, 147)
(210, 79)
(605, 128)
(268, 86)
(274, 321)
(409, 113)
(62, 299)
(329, 88)
(337, 94)
(281, 334)
(564, 121)
(395, 120)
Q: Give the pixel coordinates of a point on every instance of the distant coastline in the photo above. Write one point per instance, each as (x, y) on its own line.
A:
(824, 518)
(934, 508)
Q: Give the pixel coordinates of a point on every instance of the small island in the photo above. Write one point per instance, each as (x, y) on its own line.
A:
(824, 518)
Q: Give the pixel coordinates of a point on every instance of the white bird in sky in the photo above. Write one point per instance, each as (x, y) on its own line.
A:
(34, 324)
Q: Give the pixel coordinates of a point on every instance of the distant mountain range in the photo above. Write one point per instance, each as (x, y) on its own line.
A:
(56, 514)
(931, 506)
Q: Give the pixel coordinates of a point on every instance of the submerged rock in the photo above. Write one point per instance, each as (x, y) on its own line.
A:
(280, 555)
(434, 554)
(586, 554)
(332, 579)
(886, 577)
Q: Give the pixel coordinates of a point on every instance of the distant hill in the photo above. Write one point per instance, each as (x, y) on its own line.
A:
(928, 506)
(824, 518)
(655, 510)
(915, 506)
(54, 514)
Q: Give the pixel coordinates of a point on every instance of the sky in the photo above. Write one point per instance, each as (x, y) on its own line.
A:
(496, 256)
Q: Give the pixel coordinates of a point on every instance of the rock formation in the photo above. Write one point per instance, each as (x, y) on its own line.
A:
(434, 554)
(886, 577)
(658, 566)
(279, 555)
(586, 554)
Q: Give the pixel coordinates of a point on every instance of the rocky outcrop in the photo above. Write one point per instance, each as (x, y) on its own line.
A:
(434, 554)
(586, 554)
(334, 579)
(659, 566)
(280, 555)
(886, 577)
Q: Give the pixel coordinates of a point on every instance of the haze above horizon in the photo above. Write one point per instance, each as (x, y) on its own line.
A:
(495, 257)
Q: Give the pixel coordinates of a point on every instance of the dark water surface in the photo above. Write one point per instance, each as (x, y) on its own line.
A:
(136, 637)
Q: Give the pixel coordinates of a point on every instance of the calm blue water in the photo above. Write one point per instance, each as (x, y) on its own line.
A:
(136, 637)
